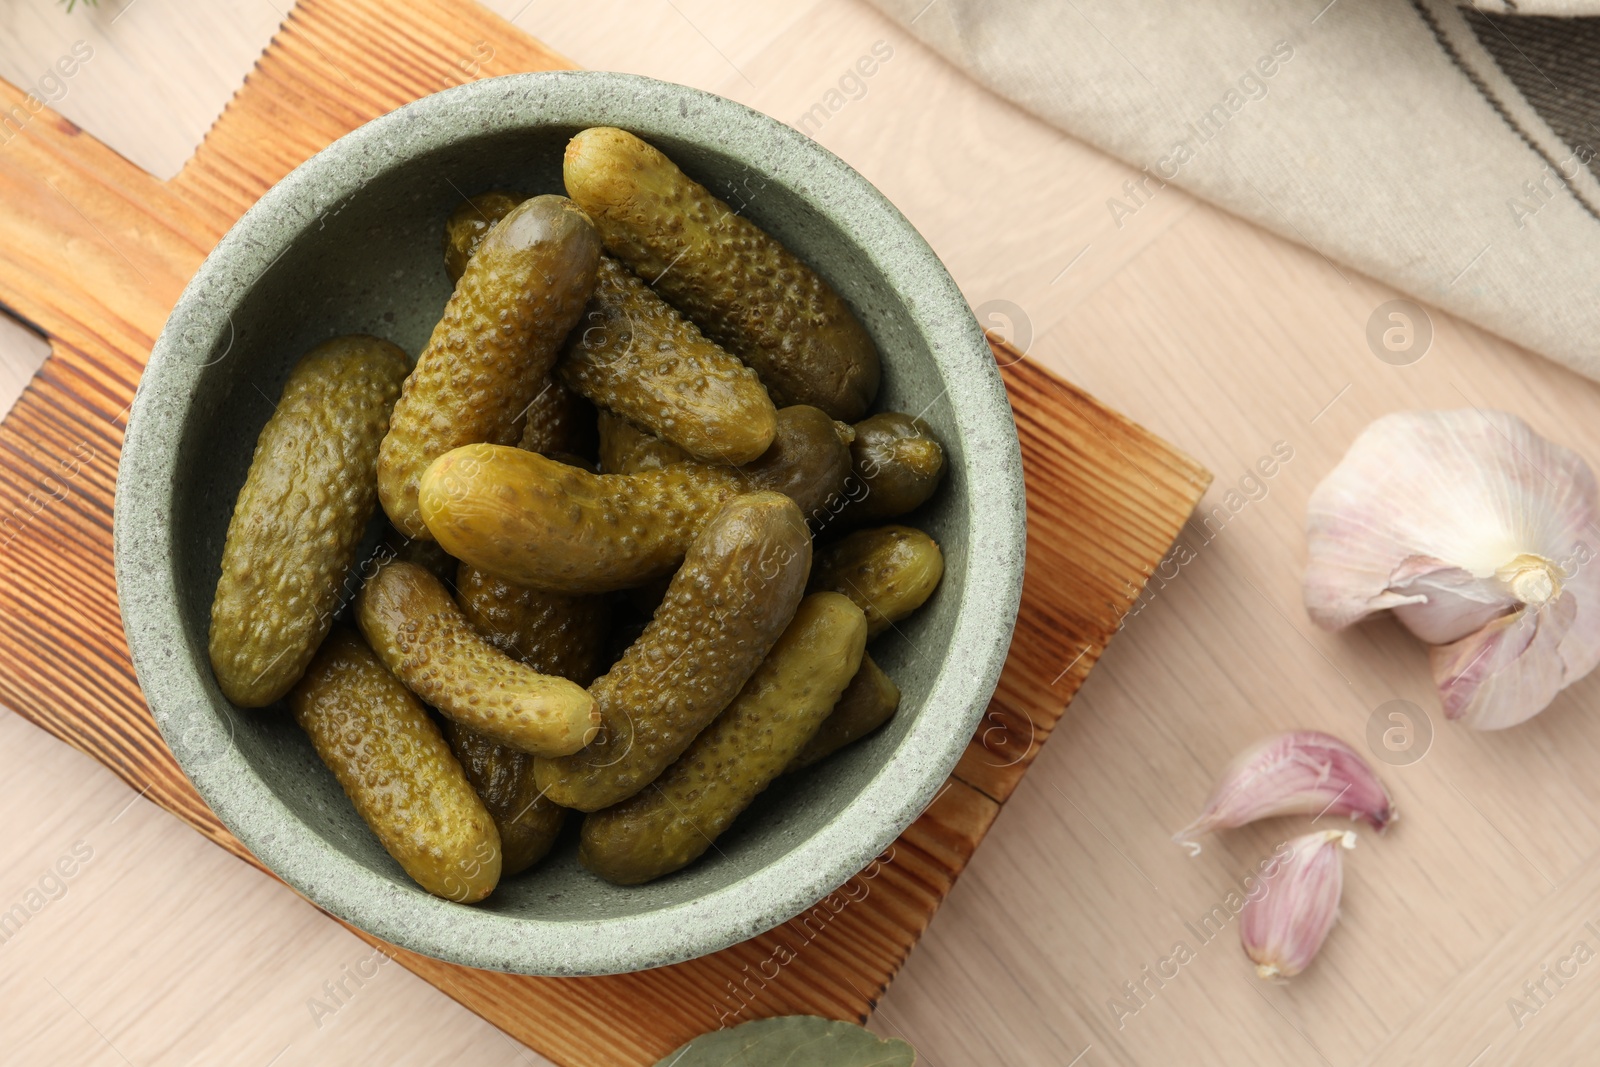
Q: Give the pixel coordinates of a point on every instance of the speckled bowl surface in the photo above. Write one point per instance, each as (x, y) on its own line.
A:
(350, 242)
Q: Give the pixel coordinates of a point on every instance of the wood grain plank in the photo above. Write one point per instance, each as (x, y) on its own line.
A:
(1077, 586)
(1530, 998)
(1108, 500)
(325, 74)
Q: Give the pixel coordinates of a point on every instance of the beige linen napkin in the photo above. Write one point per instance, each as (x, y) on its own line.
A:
(1446, 151)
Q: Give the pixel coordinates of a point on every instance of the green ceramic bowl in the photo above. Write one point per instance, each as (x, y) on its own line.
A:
(350, 241)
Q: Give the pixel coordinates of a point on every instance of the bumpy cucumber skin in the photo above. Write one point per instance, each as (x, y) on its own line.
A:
(470, 223)
(868, 702)
(736, 592)
(526, 820)
(889, 571)
(523, 290)
(397, 770)
(298, 521)
(806, 462)
(900, 462)
(626, 449)
(633, 354)
(544, 524)
(550, 526)
(418, 633)
(553, 633)
(737, 283)
(669, 826)
(559, 421)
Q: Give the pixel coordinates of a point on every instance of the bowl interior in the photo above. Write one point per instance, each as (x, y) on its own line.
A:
(369, 260)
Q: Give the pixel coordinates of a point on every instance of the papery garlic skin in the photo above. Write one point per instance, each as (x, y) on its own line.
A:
(1302, 772)
(1283, 931)
(1480, 536)
(1488, 678)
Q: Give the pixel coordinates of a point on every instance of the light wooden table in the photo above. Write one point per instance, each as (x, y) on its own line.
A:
(159, 949)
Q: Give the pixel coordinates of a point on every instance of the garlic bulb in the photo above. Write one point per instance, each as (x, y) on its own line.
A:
(1302, 772)
(1476, 532)
(1283, 930)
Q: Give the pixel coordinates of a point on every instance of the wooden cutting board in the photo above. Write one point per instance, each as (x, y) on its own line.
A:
(94, 252)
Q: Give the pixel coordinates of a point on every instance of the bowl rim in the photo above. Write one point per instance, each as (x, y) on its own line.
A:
(171, 669)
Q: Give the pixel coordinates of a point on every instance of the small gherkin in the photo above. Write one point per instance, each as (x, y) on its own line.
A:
(734, 595)
(298, 522)
(889, 571)
(396, 768)
(669, 826)
(556, 420)
(552, 526)
(634, 355)
(487, 358)
(418, 632)
(742, 287)
(900, 464)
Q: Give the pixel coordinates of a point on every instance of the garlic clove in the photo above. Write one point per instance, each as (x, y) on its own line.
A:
(1283, 931)
(1506, 672)
(1302, 772)
(1444, 603)
(1462, 523)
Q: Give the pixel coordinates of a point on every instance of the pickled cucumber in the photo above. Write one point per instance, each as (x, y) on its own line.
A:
(298, 522)
(735, 593)
(543, 524)
(634, 355)
(397, 770)
(889, 571)
(419, 634)
(899, 461)
(503, 778)
(740, 286)
(557, 420)
(660, 830)
(523, 290)
(553, 633)
(470, 223)
(866, 704)
(626, 449)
